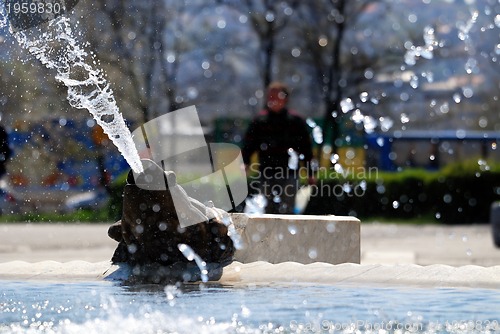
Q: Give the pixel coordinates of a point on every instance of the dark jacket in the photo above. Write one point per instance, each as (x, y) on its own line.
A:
(272, 134)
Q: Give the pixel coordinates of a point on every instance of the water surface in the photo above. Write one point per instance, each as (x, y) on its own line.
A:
(106, 307)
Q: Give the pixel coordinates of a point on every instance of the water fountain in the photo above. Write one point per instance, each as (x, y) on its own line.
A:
(88, 89)
(48, 35)
(261, 292)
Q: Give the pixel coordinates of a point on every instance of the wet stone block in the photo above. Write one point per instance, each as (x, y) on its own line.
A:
(298, 238)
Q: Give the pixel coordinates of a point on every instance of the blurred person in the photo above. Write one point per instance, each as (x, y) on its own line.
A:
(282, 141)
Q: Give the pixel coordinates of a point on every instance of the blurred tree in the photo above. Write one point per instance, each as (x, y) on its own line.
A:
(131, 38)
(325, 41)
(268, 18)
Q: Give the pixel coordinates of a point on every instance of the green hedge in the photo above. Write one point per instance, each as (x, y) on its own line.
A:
(460, 193)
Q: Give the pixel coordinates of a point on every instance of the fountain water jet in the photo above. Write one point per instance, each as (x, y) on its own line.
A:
(56, 47)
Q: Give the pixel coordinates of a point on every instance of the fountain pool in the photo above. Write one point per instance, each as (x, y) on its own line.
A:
(108, 307)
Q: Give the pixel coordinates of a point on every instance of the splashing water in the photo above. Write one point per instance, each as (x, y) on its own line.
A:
(190, 254)
(225, 218)
(231, 231)
(57, 48)
(465, 29)
(317, 132)
(464, 35)
(293, 159)
(3, 17)
(255, 205)
(426, 51)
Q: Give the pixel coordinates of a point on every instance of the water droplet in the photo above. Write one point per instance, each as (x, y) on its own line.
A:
(192, 93)
(310, 122)
(313, 253)
(256, 237)
(317, 135)
(331, 227)
(470, 65)
(385, 123)
(156, 208)
(245, 311)
(468, 92)
(350, 154)
(346, 105)
(269, 16)
(323, 41)
(338, 168)
(395, 204)
(414, 82)
(221, 24)
(469, 252)
(132, 248)
(363, 97)
(171, 291)
(460, 133)
(369, 124)
(447, 198)
(293, 159)
(483, 122)
(292, 229)
(357, 117)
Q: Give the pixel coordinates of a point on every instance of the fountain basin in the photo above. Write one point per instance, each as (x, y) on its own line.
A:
(262, 273)
(298, 238)
(81, 252)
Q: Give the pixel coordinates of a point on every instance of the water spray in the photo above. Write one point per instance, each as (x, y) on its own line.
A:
(41, 28)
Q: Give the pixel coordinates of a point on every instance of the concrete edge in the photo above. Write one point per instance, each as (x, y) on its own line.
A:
(264, 273)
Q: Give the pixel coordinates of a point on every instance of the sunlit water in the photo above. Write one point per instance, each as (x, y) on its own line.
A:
(104, 307)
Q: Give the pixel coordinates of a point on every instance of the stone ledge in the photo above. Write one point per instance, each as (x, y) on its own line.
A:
(298, 238)
(264, 273)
